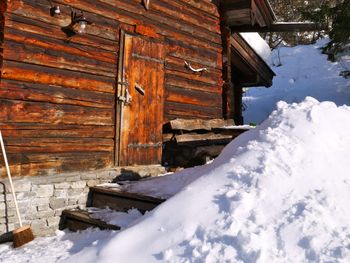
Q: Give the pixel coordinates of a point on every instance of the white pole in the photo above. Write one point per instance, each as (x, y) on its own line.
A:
(10, 179)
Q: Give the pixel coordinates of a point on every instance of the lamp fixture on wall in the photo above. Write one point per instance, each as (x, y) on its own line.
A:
(78, 24)
(55, 10)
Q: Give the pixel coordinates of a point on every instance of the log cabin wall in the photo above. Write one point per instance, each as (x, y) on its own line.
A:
(57, 94)
(2, 24)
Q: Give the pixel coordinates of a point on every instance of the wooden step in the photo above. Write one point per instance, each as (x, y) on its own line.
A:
(76, 220)
(116, 199)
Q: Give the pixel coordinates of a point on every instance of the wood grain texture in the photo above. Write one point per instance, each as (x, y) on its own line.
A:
(58, 93)
(141, 132)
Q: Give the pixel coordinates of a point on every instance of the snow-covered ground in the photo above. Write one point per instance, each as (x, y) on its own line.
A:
(278, 193)
(304, 71)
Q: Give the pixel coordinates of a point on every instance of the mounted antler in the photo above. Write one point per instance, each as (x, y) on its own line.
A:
(146, 4)
(188, 65)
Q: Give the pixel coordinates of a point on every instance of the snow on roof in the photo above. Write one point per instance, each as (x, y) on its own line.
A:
(278, 193)
(258, 44)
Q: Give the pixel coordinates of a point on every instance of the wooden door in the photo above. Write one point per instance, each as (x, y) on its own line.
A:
(140, 102)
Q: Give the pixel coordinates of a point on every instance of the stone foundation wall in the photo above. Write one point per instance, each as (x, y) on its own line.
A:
(42, 199)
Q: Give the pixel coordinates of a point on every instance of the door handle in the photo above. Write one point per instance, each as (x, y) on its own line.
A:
(139, 89)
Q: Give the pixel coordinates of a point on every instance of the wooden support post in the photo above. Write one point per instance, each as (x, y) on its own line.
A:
(227, 95)
(238, 104)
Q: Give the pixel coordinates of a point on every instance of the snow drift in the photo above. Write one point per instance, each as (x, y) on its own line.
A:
(279, 193)
(300, 71)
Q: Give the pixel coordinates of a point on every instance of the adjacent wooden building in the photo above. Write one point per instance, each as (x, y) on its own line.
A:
(72, 101)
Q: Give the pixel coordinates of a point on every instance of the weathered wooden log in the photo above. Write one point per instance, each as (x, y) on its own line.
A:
(194, 97)
(79, 162)
(27, 91)
(198, 124)
(35, 112)
(57, 59)
(44, 75)
(175, 81)
(53, 44)
(25, 24)
(20, 130)
(175, 110)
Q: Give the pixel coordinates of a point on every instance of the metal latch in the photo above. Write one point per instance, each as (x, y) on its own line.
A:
(126, 99)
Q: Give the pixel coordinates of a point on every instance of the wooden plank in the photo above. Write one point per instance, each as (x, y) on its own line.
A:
(79, 163)
(29, 25)
(282, 27)
(56, 158)
(194, 53)
(187, 96)
(182, 83)
(76, 220)
(186, 14)
(198, 124)
(209, 8)
(175, 110)
(57, 145)
(17, 90)
(47, 42)
(189, 137)
(57, 77)
(3, 6)
(38, 112)
(189, 75)
(121, 203)
(121, 193)
(56, 59)
(56, 131)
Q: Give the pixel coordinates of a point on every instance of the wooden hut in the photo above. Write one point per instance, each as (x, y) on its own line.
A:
(89, 84)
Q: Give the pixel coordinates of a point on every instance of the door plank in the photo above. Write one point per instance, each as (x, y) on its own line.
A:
(141, 122)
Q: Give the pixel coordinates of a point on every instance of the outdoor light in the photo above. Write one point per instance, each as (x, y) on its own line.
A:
(55, 10)
(79, 22)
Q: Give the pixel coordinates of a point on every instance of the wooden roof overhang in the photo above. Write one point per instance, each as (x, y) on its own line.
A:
(247, 13)
(248, 68)
(281, 27)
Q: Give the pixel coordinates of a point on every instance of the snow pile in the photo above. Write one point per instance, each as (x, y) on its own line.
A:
(53, 249)
(121, 219)
(279, 193)
(258, 44)
(304, 71)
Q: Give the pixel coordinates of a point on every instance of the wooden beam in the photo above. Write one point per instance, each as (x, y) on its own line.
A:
(281, 27)
(198, 124)
(195, 137)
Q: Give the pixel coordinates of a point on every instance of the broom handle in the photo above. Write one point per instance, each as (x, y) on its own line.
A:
(10, 179)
